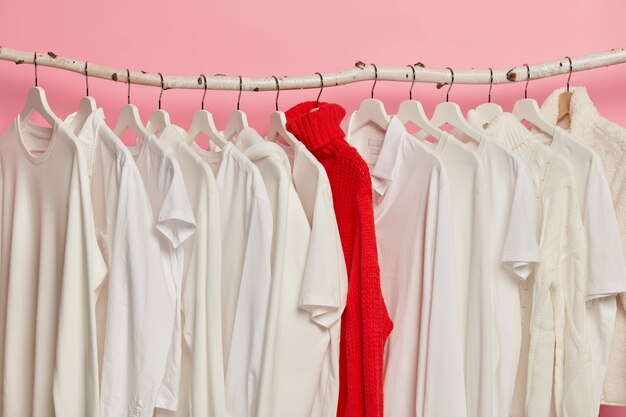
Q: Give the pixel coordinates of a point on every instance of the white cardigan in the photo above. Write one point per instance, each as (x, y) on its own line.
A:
(608, 139)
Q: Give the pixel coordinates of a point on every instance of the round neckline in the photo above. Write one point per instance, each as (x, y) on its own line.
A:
(208, 154)
(49, 131)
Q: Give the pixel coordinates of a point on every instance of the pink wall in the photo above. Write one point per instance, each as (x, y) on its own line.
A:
(293, 37)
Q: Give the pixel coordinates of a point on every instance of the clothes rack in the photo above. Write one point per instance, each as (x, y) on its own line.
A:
(360, 72)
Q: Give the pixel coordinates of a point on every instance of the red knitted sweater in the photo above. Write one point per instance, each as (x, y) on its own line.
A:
(365, 323)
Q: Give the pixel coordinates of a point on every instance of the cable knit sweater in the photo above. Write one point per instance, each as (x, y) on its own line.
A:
(608, 139)
(365, 323)
(554, 365)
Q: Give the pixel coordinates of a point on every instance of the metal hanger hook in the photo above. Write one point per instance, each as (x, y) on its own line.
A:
(128, 76)
(490, 84)
(162, 88)
(87, 77)
(527, 80)
(571, 68)
(412, 82)
(36, 83)
(375, 79)
(240, 88)
(277, 92)
(451, 83)
(317, 101)
(203, 94)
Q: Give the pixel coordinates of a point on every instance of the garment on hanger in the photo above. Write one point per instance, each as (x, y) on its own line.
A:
(322, 295)
(608, 140)
(202, 369)
(174, 220)
(127, 238)
(51, 266)
(513, 249)
(246, 218)
(414, 228)
(365, 323)
(554, 369)
(606, 275)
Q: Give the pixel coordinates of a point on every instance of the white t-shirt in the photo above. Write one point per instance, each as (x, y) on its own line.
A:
(468, 192)
(50, 265)
(423, 373)
(606, 270)
(246, 218)
(513, 248)
(173, 218)
(130, 303)
(319, 299)
(201, 390)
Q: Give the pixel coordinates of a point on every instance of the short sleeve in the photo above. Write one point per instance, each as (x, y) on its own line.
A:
(607, 272)
(520, 245)
(176, 220)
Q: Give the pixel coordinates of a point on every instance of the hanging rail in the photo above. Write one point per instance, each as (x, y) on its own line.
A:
(360, 72)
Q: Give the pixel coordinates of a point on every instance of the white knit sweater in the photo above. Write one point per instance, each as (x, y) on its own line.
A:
(554, 373)
(609, 141)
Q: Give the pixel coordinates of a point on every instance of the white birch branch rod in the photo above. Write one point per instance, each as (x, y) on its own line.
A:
(360, 72)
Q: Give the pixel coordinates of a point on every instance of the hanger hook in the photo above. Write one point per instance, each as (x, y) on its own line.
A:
(571, 68)
(451, 83)
(240, 88)
(277, 91)
(203, 94)
(490, 84)
(412, 82)
(317, 101)
(36, 83)
(128, 76)
(527, 80)
(87, 77)
(375, 79)
(162, 88)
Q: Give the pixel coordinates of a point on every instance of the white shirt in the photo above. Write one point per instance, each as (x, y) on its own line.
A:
(606, 275)
(50, 266)
(423, 373)
(513, 248)
(173, 219)
(202, 391)
(246, 217)
(318, 301)
(468, 192)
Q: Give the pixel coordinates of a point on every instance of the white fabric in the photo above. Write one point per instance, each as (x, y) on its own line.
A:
(50, 265)
(554, 374)
(606, 275)
(609, 141)
(512, 226)
(173, 218)
(202, 391)
(317, 302)
(423, 373)
(246, 218)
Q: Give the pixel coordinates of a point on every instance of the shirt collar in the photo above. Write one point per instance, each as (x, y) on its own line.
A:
(582, 110)
(383, 172)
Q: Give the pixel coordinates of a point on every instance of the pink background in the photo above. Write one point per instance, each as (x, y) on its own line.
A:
(283, 37)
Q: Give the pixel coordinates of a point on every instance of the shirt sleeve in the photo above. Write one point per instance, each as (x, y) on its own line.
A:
(520, 246)
(244, 360)
(141, 307)
(607, 272)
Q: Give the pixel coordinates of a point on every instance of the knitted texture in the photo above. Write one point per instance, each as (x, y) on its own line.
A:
(365, 323)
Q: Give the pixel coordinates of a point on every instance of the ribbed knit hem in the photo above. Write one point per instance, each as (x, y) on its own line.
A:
(316, 128)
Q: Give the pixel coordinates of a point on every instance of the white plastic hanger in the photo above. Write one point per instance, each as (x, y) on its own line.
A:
(450, 113)
(488, 111)
(202, 123)
(87, 104)
(129, 118)
(278, 123)
(237, 120)
(528, 109)
(371, 110)
(36, 102)
(565, 98)
(159, 119)
(412, 111)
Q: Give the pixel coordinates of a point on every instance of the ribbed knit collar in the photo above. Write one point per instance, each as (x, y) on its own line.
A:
(509, 131)
(316, 128)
